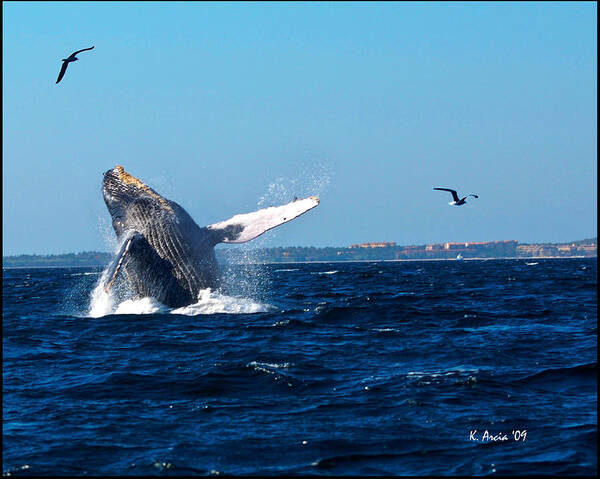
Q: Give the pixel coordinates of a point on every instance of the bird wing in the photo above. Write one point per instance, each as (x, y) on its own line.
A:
(474, 196)
(63, 69)
(454, 195)
(82, 50)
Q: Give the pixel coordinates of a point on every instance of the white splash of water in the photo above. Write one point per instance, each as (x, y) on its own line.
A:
(140, 306)
(101, 302)
(107, 233)
(211, 302)
(311, 179)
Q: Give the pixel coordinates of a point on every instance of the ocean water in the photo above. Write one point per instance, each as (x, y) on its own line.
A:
(387, 368)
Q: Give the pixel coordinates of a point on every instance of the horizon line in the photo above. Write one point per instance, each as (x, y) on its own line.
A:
(323, 247)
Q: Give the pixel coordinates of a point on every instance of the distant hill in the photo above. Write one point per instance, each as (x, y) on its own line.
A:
(590, 241)
(85, 258)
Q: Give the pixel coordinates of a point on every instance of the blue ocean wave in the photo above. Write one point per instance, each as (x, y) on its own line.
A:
(330, 369)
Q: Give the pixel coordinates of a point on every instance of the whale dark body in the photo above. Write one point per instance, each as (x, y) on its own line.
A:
(164, 254)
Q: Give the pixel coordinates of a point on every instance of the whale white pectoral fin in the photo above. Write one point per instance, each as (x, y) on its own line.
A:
(120, 258)
(244, 227)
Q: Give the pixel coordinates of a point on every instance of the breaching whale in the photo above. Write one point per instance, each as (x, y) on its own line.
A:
(164, 254)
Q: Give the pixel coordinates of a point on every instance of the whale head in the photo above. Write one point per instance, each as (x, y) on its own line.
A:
(121, 191)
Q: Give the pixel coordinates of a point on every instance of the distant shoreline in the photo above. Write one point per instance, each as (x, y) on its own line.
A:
(341, 261)
(429, 259)
(364, 252)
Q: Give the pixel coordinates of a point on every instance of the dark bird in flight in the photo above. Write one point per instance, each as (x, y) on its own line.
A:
(457, 201)
(68, 60)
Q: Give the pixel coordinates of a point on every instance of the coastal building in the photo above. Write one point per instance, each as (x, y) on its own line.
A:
(374, 245)
(588, 249)
(455, 246)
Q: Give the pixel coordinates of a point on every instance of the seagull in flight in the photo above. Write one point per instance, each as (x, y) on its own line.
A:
(66, 61)
(457, 201)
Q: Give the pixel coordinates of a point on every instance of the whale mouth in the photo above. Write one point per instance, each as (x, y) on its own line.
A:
(119, 186)
(117, 194)
(112, 188)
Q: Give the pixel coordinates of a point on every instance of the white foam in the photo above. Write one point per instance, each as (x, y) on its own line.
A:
(256, 364)
(281, 323)
(325, 272)
(435, 374)
(101, 302)
(210, 302)
(140, 306)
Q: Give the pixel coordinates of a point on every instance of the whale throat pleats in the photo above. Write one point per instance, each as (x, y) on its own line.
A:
(146, 272)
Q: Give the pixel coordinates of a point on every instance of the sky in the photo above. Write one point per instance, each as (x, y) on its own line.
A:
(229, 107)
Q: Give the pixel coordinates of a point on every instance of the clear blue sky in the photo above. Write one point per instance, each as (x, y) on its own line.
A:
(228, 107)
